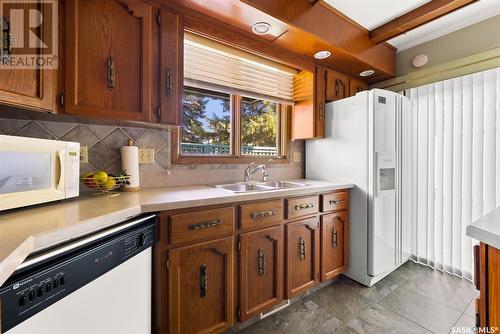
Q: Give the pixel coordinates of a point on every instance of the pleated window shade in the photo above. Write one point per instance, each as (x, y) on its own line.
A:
(454, 153)
(214, 66)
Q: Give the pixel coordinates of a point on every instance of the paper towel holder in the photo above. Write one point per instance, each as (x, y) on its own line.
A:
(130, 189)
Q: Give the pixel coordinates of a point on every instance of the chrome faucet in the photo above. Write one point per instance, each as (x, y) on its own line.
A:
(251, 169)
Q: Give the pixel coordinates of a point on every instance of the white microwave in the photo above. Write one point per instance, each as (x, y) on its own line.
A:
(34, 171)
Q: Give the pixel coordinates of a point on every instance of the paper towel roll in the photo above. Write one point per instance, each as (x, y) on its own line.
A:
(130, 164)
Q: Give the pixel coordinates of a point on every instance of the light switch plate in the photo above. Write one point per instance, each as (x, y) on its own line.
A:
(84, 155)
(146, 155)
(296, 156)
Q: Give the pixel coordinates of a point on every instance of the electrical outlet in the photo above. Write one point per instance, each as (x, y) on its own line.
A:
(146, 155)
(84, 155)
(296, 156)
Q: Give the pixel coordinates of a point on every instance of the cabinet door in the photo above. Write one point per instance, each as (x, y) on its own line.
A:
(201, 287)
(334, 244)
(170, 76)
(302, 256)
(337, 86)
(319, 102)
(308, 114)
(356, 86)
(261, 271)
(26, 88)
(109, 59)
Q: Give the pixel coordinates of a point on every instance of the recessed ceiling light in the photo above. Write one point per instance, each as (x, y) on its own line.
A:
(419, 61)
(322, 54)
(261, 28)
(366, 73)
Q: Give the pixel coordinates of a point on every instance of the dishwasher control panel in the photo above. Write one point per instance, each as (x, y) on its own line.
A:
(30, 292)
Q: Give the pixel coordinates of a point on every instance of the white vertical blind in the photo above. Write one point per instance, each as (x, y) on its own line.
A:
(454, 148)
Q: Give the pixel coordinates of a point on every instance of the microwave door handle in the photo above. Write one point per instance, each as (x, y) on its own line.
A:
(58, 170)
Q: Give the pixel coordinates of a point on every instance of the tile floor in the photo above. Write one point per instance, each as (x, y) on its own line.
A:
(412, 299)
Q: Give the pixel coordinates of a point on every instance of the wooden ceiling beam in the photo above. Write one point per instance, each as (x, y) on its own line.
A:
(415, 18)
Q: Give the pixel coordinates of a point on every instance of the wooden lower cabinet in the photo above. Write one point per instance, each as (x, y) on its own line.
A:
(302, 256)
(200, 280)
(334, 244)
(487, 281)
(260, 271)
(225, 263)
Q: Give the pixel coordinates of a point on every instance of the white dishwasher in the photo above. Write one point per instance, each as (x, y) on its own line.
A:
(100, 284)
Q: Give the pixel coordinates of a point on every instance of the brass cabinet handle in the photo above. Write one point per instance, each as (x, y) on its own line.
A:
(262, 214)
(304, 206)
(169, 81)
(6, 49)
(111, 73)
(334, 238)
(302, 249)
(203, 281)
(339, 83)
(336, 201)
(322, 111)
(203, 225)
(261, 262)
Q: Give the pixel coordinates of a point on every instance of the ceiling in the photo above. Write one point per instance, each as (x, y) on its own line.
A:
(373, 13)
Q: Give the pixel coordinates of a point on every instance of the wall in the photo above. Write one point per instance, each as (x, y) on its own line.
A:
(104, 142)
(462, 43)
(472, 49)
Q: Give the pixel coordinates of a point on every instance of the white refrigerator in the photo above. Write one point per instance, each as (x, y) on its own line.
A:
(363, 145)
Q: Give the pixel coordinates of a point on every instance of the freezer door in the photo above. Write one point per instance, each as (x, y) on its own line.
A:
(382, 231)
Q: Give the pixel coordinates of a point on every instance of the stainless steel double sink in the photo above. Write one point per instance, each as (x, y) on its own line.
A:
(244, 187)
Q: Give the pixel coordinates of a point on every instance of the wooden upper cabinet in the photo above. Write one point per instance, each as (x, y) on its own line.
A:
(337, 86)
(302, 256)
(170, 75)
(334, 244)
(356, 86)
(260, 271)
(319, 102)
(109, 50)
(28, 88)
(308, 115)
(200, 283)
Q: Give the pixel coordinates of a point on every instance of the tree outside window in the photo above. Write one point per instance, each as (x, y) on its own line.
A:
(207, 124)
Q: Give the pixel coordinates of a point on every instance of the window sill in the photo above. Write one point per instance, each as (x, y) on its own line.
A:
(203, 159)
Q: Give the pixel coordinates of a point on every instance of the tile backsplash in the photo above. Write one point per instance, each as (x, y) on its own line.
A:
(104, 142)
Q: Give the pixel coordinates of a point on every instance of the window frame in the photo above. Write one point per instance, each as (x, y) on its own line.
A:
(283, 134)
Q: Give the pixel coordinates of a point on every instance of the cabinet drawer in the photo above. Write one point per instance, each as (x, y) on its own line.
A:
(193, 226)
(335, 201)
(301, 206)
(262, 214)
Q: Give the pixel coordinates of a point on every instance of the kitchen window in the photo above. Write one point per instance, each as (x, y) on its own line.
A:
(235, 106)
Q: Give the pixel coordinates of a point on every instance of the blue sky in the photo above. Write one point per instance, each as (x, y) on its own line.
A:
(214, 107)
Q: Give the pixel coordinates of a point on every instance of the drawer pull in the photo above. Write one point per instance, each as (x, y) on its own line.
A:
(262, 214)
(337, 201)
(334, 238)
(261, 262)
(203, 281)
(304, 206)
(207, 224)
(302, 249)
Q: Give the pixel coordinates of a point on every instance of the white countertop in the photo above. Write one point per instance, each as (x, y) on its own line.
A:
(26, 231)
(487, 229)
